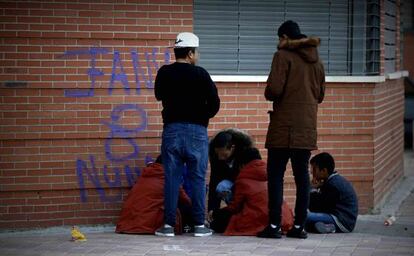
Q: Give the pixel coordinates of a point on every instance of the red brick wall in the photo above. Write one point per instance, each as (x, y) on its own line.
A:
(47, 136)
(66, 159)
(388, 137)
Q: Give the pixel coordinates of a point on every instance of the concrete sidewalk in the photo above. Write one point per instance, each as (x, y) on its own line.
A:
(115, 244)
(370, 237)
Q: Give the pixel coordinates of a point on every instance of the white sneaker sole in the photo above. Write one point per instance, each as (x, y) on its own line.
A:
(203, 234)
(162, 234)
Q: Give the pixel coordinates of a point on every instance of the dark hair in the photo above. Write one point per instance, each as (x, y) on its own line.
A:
(291, 29)
(324, 160)
(159, 159)
(181, 53)
(223, 139)
(248, 155)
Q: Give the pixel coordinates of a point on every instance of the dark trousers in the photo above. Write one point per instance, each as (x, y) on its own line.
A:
(276, 167)
(221, 219)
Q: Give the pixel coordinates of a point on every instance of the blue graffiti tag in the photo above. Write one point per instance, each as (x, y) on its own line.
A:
(92, 174)
(92, 71)
(122, 77)
(117, 131)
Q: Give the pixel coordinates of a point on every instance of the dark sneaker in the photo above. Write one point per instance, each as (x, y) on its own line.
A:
(297, 233)
(270, 232)
(165, 231)
(323, 228)
(202, 231)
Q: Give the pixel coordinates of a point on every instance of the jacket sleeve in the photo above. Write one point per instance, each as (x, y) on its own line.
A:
(276, 81)
(315, 202)
(236, 205)
(325, 200)
(322, 86)
(158, 84)
(213, 200)
(213, 100)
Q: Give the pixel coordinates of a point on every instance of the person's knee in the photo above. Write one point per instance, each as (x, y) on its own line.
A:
(224, 190)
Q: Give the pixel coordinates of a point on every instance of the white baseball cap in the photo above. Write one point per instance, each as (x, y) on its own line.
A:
(186, 39)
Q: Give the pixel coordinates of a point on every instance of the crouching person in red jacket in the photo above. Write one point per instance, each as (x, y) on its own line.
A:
(247, 213)
(143, 209)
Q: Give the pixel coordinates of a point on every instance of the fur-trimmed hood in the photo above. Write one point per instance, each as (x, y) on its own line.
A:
(305, 47)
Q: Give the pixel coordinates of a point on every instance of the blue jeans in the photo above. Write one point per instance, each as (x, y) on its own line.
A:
(184, 143)
(224, 190)
(314, 217)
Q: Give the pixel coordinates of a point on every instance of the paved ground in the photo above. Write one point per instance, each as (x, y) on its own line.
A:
(112, 244)
(371, 237)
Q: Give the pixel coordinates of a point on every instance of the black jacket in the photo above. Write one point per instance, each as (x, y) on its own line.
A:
(187, 93)
(338, 198)
(221, 170)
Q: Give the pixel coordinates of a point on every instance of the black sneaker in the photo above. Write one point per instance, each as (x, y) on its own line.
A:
(165, 231)
(202, 231)
(269, 232)
(323, 228)
(297, 233)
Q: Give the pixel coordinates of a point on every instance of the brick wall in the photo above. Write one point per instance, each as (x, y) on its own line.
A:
(68, 151)
(388, 137)
(70, 148)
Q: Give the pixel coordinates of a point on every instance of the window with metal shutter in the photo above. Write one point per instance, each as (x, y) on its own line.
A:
(240, 37)
(390, 35)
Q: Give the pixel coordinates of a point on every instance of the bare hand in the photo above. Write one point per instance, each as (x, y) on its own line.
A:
(317, 183)
(210, 216)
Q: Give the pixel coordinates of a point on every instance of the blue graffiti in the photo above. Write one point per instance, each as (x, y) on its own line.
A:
(92, 175)
(116, 182)
(117, 131)
(137, 70)
(150, 84)
(92, 71)
(112, 157)
(121, 76)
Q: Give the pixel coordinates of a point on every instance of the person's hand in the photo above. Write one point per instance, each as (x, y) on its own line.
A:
(210, 216)
(317, 183)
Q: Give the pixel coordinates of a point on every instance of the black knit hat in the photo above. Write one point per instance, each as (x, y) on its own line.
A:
(291, 29)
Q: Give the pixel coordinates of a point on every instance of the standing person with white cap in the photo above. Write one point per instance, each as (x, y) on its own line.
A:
(189, 99)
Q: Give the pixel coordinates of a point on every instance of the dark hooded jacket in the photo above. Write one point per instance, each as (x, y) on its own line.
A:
(296, 87)
(221, 170)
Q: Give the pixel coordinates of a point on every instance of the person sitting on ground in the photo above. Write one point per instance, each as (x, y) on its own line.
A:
(224, 153)
(143, 209)
(333, 202)
(247, 213)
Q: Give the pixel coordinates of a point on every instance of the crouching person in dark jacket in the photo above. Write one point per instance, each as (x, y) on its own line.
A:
(333, 202)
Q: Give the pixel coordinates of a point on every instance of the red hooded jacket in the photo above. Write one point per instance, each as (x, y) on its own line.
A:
(250, 203)
(143, 209)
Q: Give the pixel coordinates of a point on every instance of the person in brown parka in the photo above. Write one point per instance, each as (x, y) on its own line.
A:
(295, 86)
(143, 209)
(247, 213)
